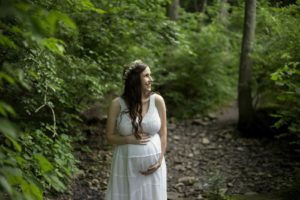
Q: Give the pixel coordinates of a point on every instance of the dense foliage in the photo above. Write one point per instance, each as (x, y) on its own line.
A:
(59, 57)
(39, 99)
(277, 67)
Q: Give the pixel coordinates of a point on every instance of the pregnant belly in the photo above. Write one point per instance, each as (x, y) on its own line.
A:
(140, 157)
(151, 148)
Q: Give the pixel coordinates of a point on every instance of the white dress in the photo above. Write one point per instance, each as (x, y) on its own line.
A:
(126, 182)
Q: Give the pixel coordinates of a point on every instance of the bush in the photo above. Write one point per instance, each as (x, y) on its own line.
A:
(49, 159)
(276, 60)
(200, 71)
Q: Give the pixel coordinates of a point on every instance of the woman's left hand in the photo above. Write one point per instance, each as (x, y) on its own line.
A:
(152, 168)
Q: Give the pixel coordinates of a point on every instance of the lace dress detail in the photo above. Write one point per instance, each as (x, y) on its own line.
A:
(126, 182)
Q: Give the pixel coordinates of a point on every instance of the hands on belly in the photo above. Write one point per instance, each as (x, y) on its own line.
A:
(152, 168)
(143, 140)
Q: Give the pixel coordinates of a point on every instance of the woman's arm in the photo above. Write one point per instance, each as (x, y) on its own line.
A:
(114, 138)
(161, 107)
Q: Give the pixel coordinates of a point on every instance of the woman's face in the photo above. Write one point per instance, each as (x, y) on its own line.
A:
(146, 80)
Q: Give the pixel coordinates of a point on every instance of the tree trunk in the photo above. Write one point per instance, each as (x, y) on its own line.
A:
(246, 111)
(201, 6)
(172, 10)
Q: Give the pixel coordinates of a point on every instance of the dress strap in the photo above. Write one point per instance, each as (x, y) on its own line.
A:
(152, 101)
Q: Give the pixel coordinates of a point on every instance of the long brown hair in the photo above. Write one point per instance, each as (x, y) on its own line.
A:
(132, 94)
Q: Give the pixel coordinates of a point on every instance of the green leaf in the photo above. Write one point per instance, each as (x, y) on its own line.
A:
(45, 165)
(55, 45)
(31, 190)
(51, 21)
(286, 56)
(5, 109)
(5, 185)
(21, 161)
(8, 129)
(8, 78)
(56, 16)
(88, 5)
(16, 144)
(98, 10)
(14, 175)
(6, 42)
(55, 182)
(67, 20)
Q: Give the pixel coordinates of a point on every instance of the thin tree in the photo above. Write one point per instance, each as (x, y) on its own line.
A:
(201, 5)
(246, 111)
(172, 10)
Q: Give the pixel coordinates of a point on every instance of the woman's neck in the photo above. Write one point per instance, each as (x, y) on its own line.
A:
(145, 96)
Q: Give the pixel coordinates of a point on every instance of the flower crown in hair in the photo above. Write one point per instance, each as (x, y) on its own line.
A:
(130, 67)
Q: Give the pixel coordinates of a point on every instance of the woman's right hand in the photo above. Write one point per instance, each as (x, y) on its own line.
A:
(143, 140)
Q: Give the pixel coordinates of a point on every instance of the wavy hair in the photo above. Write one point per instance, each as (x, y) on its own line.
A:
(132, 94)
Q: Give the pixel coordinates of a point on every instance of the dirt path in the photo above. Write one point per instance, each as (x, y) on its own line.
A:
(203, 155)
(212, 157)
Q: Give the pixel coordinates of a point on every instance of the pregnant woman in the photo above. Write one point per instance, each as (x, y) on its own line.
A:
(138, 169)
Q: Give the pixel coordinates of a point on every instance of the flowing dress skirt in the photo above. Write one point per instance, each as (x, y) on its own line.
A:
(127, 183)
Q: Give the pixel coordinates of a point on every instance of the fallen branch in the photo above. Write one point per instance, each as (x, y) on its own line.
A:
(53, 114)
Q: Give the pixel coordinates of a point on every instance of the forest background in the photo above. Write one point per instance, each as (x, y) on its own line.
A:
(58, 58)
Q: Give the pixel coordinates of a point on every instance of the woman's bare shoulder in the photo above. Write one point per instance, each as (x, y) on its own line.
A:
(159, 99)
(115, 103)
(115, 100)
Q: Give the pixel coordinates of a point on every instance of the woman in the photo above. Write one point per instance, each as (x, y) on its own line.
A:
(139, 115)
